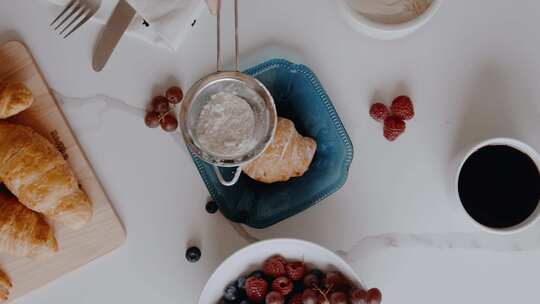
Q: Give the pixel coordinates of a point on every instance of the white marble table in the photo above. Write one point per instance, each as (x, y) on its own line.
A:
(473, 72)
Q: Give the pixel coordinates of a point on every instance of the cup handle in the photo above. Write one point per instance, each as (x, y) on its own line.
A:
(232, 181)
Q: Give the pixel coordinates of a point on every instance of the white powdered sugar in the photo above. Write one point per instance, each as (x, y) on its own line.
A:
(226, 125)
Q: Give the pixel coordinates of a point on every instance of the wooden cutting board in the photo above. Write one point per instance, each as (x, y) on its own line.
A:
(76, 248)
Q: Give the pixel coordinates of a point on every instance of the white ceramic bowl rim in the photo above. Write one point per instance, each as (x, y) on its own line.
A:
(334, 260)
(516, 144)
(379, 27)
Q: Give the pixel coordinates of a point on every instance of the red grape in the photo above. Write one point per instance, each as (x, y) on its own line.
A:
(174, 95)
(274, 297)
(311, 280)
(338, 298)
(333, 279)
(374, 296)
(296, 299)
(151, 119)
(169, 123)
(160, 104)
(323, 299)
(359, 296)
(309, 296)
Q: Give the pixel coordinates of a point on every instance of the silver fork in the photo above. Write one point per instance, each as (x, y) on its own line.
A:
(74, 15)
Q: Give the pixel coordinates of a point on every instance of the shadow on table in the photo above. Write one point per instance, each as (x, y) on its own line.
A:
(489, 110)
(487, 113)
(400, 88)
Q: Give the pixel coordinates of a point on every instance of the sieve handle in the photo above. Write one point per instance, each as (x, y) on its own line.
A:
(237, 52)
(232, 181)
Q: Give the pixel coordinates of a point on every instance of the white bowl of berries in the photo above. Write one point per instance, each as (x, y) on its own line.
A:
(286, 271)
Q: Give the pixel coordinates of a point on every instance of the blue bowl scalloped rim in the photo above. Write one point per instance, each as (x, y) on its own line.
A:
(299, 96)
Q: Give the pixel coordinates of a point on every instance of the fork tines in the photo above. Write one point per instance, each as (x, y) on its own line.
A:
(73, 16)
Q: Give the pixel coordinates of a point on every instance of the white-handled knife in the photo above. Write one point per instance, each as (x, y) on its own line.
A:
(113, 31)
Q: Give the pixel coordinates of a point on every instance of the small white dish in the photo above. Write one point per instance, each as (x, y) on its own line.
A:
(252, 257)
(466, 153)
(381, 30)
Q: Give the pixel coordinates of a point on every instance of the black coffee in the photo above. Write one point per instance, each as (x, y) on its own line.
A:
(499, 186)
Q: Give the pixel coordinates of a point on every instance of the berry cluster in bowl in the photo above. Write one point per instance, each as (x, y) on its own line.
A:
(292, 282)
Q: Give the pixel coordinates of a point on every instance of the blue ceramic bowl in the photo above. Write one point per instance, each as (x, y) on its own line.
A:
(300, 97)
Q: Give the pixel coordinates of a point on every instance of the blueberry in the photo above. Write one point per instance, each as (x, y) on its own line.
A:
(241, 282)
(241, 295)
(268, 280)
(298, 286)
(246, 302)
(289, 297)
(317, 273)
(257, 274)
(193, 254)
(211, 207)
(231, 293)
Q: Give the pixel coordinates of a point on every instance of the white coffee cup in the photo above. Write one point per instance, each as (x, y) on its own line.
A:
(466, 153)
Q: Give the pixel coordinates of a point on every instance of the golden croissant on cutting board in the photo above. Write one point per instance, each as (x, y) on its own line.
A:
(37, 174)
(289, 155)
(14, 98)
(23, 232)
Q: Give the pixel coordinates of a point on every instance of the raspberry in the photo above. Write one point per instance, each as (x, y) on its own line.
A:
(393, 127)
(274, 297)
(402, 107)
(283, 285)
(275, 266)
(379, 111)
(296, 299)
(256, 289)
(295, 270)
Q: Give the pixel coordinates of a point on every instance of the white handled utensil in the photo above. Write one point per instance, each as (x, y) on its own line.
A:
(115, 28)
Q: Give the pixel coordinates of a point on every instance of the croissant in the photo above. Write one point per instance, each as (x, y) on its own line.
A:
(5, 286)
(33, 169)
(289, 155)
(23, 232)
(14, 98)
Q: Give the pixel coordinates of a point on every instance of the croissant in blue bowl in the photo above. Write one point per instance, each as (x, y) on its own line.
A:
(300, 98)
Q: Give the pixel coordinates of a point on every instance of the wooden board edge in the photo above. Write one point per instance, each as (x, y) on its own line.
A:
(76, 268)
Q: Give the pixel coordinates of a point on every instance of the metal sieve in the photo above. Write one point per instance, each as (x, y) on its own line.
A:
(234, 82)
